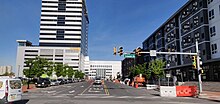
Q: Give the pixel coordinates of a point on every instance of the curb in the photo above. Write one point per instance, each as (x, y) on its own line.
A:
(215, 99)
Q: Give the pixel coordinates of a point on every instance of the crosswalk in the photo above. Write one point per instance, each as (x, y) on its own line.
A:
(119, 97)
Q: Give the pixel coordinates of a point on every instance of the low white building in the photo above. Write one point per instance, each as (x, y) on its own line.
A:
(4, 69)
(63, 55)
(104, 69)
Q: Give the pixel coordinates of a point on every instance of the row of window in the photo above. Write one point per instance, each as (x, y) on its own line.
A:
(60, 24)
(45, 15)
(187, 26)
(60, 38)
(57, 6)
(100, 65)
(62, 2)
(56, 34)
(61, 10)
(191, 9)
(60, 44)
(61, 20)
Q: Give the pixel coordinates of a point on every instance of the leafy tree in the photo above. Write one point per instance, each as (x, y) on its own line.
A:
(138, 69)
(50, 68)
(11, 74)
(79, 74)
(58, 68)
(70, 72)
(156, 69)
(5, 74)
(37, 67)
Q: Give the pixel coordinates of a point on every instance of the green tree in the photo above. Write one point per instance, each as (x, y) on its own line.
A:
(79, 74)
(138, 69)
(5, 74)
(58, 68)
(156, 69)
(50, 68)
(70, 72)
(37, 67)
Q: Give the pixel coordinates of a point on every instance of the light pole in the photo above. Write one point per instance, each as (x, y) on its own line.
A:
(168, 66)
(28, 87)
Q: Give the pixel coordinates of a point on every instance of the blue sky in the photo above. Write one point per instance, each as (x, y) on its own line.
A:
(113, 23)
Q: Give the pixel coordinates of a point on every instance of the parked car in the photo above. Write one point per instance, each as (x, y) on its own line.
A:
(43, 82)
(60, 81)
(70, 80)
(10, 90)
(54, 82)
(65, 81)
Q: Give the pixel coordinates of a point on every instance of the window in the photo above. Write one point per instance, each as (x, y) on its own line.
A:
(201, 19)
(196, 21)
(200, 3)
(60, 23)
(211, 14)
(203, 52)
(212, 31)
(203, 35)
(214, 48)
(209, 1)
(15, 84)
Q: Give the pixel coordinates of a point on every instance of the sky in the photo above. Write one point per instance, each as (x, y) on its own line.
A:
(113, 23)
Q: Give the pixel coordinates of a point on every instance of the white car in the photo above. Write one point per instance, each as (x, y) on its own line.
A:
(54, 82)
(10, 89)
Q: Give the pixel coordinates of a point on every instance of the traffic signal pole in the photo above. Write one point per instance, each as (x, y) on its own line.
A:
(153, 53)
(198, 68)
(185, 53)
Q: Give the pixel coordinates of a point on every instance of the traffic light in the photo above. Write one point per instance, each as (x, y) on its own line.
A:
(200, 63)
(194, 62)
(137, 51)
(201, 71)
(120, 51)
(115, 51)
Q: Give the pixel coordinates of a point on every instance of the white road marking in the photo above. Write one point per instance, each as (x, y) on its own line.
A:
(90, 90)
(72, 91)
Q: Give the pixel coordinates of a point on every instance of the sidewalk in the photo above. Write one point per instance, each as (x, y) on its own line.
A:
(213, 96)
(24, 88)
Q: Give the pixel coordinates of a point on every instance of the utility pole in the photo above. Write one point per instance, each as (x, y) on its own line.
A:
(198, 68)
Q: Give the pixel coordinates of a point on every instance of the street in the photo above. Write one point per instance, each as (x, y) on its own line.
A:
(108, 93)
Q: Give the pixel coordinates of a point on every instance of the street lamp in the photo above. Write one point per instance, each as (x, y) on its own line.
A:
(28, 87)
(168, 75)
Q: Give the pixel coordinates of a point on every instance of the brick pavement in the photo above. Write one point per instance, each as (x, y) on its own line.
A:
(209, 95)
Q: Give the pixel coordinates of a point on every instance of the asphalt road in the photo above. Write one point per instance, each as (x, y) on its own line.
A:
(108, 93)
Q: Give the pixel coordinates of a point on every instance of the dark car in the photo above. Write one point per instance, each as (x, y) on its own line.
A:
(61, 81)
(70, 80)
(43, 82)
(65, 81)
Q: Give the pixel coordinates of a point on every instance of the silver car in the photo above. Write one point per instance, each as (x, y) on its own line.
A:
(54, 82)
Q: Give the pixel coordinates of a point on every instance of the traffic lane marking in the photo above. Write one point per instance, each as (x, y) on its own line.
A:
(86, 88)
(106, 90)
(60, 92)
(94, 90)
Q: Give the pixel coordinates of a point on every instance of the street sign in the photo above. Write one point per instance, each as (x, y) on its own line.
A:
(129, 55)
(153, 53)
(168, 75)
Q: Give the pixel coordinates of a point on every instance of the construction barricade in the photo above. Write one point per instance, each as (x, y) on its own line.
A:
(186, 91)
(168, 91)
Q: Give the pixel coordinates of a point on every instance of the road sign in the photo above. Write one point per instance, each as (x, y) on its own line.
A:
(129, 55)
(168, 75)
(153, 53)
